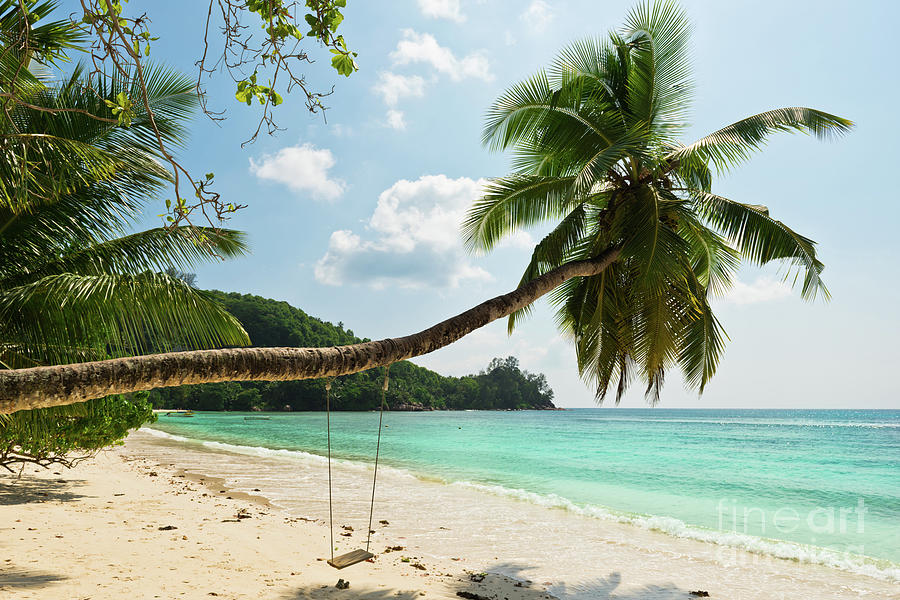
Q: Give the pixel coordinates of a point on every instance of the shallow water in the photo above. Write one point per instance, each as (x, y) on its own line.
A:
(819, 487)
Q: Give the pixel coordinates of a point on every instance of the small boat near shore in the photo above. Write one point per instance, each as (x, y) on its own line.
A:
(257, 418)
(174, 413)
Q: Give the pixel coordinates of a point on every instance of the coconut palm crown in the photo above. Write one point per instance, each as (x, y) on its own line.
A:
(596, 150)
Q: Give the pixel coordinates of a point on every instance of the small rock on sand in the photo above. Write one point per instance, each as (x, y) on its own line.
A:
(471, 596)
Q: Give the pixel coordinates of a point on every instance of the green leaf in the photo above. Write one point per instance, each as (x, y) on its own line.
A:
(343, 64)
(244, 95)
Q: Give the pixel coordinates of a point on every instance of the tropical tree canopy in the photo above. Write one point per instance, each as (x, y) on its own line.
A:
(597, 150)
(117, 37)
(66, 435)
(640, 242)
(76, 282)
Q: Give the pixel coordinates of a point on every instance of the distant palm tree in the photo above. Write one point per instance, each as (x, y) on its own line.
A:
(596, 150)
(640, 245)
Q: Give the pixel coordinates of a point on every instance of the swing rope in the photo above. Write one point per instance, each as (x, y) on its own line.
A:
(384, 389)
(328, 428)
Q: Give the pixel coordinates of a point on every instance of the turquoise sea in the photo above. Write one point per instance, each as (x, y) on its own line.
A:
(812, 485)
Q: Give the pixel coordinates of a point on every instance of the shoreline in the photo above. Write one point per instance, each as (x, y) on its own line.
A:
(277, 552)
(723, 541)
(143, 529)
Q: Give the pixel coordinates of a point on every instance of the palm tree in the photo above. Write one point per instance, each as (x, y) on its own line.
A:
(597, 150)
(75, 282)
(640, 246)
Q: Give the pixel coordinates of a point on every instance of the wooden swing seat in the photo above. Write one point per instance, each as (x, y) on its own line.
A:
(350, 558)
(355, 556)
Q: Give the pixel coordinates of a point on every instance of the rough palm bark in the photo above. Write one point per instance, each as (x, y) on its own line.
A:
(41, 387)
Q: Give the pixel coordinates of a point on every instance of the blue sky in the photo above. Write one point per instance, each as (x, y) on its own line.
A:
(354, 220)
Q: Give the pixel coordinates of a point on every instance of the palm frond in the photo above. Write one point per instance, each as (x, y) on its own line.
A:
(600, 162)
(713, 261)
(656, 316)
(172, 98)
(122, 314)
(46, 231)
(762, 239)
(150, 250)
(39, 167)
(531, 108)
(46, 41)
(75, 143)
(551, 252)
(645, 231)
(702, 341)
(735, 143)
(514, 202)
(588, 72)
(659, 84)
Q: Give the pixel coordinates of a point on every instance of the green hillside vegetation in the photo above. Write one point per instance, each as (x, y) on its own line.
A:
(501, 385)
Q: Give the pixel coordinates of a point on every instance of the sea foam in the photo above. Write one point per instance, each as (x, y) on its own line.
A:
(861, 565)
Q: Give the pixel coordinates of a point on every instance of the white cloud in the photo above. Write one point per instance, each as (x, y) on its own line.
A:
(395, 119)
(538, 16)
(442, 9)
(393, 87)
(764, 289)
(424, 48)
(508, 38)
(415, 238)
(304, 169)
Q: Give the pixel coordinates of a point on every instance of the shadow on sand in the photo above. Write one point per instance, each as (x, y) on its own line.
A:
(28, 489)
(597, 589)
(21, 579)
(606, 587)
(315, 593)
(496, 586)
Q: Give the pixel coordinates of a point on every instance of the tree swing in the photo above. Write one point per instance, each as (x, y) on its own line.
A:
(354, 556)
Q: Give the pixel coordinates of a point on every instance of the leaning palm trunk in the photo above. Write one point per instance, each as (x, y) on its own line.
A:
(66, 384)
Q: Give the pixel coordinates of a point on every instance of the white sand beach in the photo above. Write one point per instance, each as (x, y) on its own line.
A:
(134, 523)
